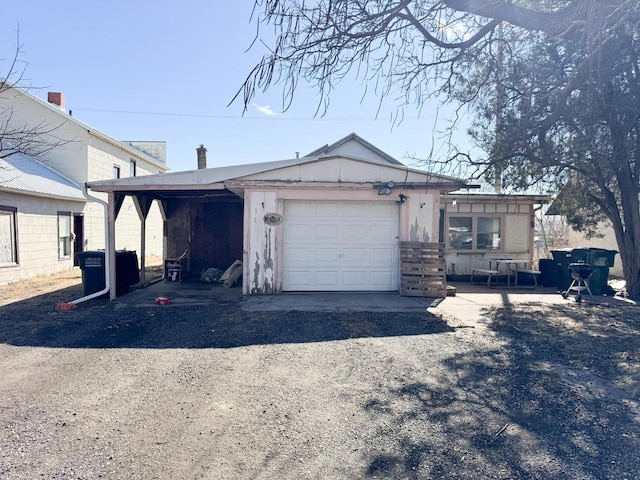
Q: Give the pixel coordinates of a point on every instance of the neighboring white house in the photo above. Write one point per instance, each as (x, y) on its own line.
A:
(45, 218)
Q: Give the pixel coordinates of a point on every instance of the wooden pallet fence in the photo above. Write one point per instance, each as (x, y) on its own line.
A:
(422, 270)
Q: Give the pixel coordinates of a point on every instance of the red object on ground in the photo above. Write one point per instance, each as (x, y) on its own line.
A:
(163, 301)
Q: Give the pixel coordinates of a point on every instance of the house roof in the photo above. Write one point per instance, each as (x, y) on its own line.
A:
(20, 173)
(353, 137)
(67, 117)
(208, 178)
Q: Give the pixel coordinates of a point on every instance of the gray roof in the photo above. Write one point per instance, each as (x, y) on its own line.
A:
(20, 173)
(209, 176)
(326, 149)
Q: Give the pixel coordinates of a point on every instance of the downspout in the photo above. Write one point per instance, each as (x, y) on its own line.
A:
(107, 254)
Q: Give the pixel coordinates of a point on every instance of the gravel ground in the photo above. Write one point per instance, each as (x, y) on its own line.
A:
(193, 392)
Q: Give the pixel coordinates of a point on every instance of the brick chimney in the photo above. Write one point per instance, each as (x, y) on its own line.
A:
(56, 98)
(202, 157)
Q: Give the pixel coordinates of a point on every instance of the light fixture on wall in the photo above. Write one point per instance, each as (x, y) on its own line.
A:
(386, 190)
(402, 198)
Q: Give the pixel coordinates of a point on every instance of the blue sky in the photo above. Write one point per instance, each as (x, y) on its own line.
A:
(166, 71)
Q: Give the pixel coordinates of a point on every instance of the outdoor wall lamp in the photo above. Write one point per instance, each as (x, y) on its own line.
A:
(386, 190)
(402, 198)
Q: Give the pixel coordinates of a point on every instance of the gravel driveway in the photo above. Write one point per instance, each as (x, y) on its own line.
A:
(214, 392)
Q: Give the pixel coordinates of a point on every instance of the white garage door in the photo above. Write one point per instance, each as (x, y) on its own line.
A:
(340, 246)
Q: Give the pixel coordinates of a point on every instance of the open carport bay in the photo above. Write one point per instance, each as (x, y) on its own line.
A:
(113, 390)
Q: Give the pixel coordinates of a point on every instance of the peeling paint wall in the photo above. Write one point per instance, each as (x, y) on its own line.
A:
(263, 242)
(260, 244)
(421, 212)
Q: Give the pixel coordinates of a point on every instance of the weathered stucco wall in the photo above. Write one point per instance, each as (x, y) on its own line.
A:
(263, 242)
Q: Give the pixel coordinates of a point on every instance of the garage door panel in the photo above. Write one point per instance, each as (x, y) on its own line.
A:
(300, 210)
(300, 231)
(302, 256)
(383, 233)
(346, 245)
(326, 232)
(324, 255)
(357, 255)
(381, 255)
(354, 279)
(381, 279)
(356, 233)
(303, 278)
(323, 209)
(326, 278)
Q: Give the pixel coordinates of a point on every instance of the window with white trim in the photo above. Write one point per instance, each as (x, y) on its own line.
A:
(64, 235)
(133, 168)
(8, 236)
(474, 232)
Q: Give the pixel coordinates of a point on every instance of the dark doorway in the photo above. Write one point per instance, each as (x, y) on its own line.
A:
(78, 231)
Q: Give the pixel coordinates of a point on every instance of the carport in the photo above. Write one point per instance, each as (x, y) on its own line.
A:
(203, 220)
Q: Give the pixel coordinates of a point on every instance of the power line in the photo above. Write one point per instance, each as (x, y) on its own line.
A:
(235, 117)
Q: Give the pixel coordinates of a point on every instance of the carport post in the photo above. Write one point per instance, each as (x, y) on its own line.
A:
(111, 242)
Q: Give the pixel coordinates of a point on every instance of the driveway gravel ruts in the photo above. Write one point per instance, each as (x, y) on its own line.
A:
(215, 392)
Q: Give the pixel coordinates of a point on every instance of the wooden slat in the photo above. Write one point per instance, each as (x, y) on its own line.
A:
(422, 269)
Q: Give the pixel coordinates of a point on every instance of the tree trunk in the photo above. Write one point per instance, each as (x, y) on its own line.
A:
(631, 269)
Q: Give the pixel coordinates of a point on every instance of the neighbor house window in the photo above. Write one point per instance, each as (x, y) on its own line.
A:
(8, 236)
(116, 171)
(64, 234)
(474, 233)
(132, 168)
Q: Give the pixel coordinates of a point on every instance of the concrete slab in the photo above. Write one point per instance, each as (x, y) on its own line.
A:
(469, 305)
(472, 302)
(336, 302)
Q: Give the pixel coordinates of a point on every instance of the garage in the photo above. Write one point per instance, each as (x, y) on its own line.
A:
(340, 246)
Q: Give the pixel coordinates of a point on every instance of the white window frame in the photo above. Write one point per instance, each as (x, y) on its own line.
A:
(64, 235)
(9, 243)
(474, 232)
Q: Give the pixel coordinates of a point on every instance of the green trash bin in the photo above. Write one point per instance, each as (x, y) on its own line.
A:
(93, 268)
(600, 260)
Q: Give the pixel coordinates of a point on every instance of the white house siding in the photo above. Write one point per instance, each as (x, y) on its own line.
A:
(37, 226)
(70, 158)
(102, 156)
(516, 234)
(85, 155)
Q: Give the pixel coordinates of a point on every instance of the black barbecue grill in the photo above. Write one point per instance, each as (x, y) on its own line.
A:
(580, 273)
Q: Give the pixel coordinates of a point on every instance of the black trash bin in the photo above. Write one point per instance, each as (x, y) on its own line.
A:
(547, 272)
(562, 259)
(93, 268)
(92, 264)
(127, 271)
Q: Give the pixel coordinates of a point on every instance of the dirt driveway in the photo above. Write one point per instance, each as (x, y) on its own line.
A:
(215, 392)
